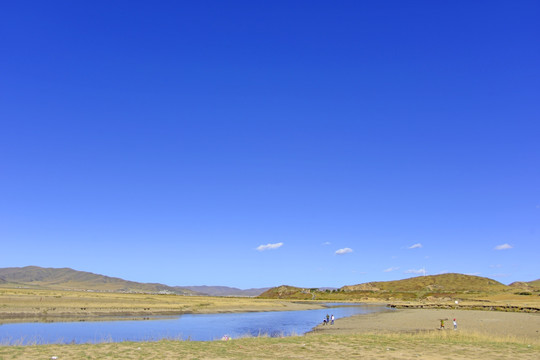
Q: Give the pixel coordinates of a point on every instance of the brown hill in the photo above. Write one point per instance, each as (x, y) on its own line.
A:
(422, 287)
(69, 279)
(530, 285)
(433, 283)
(288, 292)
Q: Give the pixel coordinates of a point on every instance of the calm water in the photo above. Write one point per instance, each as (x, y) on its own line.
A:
(194, 327)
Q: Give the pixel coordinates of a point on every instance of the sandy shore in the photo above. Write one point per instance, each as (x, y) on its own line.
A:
(520, 325)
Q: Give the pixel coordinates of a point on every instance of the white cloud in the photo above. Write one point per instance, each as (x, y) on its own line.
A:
(416, 271)
(500, 275)
(415, 246)
(391, 269)
(327, 243)
(344, 251)
(269, 246)
(474, 274)
(503, 247)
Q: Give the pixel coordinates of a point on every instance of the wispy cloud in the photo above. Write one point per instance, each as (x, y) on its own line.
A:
(474, 274)
(326, 243)
(416, 271)
(415, 246)
(391, 269)
(503, 247)
(344, 251)
(269, 246)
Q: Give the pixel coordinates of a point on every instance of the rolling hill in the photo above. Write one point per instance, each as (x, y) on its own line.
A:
(66, 278)
(69, 279)
(434, 283)
(287, 292)
(434, 286)
(530, 285)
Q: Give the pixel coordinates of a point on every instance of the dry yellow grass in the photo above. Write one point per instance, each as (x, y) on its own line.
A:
(433, 345)
(29, 303)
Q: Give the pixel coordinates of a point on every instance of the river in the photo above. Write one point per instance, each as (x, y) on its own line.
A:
(200, 327)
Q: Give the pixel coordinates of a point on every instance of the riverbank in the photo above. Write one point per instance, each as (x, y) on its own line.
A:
(29, 305)
(396, 334)
(490, 323)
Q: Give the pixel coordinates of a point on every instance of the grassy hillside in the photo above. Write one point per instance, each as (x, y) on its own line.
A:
(69, 279)
(434, 283)
(418, 288)
(530, 285)
(288, 292)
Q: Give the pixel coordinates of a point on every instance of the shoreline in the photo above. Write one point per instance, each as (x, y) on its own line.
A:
(90, 315)
(492, 323)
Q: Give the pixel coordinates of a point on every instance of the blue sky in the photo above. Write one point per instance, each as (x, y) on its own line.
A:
(260, 143)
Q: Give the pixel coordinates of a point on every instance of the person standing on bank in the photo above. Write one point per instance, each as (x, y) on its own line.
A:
(332, 318)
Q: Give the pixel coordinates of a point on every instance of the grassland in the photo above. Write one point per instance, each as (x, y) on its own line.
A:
(34, 304)
(428, 345)
(45, 305)
(482, 334)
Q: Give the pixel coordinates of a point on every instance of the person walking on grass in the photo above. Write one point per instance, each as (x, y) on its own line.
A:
(455, 324)
(442, 324)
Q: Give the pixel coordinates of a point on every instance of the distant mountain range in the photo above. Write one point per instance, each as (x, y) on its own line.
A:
(69, 279)
(225, 290)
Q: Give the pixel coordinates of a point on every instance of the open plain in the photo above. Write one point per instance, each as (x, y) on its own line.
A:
(395, 334)
(17, 305)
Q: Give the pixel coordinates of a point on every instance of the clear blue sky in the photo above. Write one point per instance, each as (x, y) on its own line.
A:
(260, 143)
